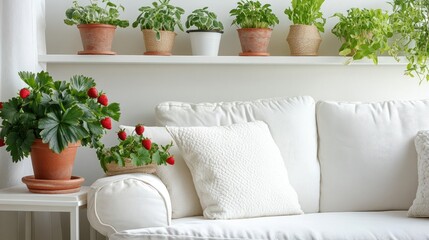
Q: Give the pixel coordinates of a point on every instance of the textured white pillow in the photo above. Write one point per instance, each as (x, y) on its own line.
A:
(238, 170)
(420, 207)
(177, 178)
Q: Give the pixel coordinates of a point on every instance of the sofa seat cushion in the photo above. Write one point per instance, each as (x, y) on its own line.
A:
(332, 226)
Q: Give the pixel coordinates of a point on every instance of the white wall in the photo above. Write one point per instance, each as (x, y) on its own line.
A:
(140, 87)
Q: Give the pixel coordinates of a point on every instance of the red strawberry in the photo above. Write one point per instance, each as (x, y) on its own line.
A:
(122, 135)
(147, 143)
(139, 129)
(106, 123)
(102, 99)
(2, 143)
(1, 105)
(170, 160)
(92, 92)
(24, 93)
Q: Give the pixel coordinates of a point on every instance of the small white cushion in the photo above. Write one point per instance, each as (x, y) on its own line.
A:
(292, 123)
(318, 226)
(237, 170)
(367, 156)
(177, 178)
(420, 207)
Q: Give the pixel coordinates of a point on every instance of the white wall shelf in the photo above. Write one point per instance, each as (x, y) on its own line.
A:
(237, 60)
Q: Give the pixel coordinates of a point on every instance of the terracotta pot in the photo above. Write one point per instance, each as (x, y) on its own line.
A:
(304, 40)
(97, 38)
(254, 41)
(115, 169)
(52, 166)
(163, 46)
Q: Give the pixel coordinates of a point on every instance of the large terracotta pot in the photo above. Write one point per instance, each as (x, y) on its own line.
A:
(97, 39)
(52, 166)
(163, 46)
(304, 40)
(254, 41)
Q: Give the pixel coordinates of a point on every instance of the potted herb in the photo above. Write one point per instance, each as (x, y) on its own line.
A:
(96, 25)
(205, 39)
(254, 20)
(52, 118)
(364, 33)
(304, 38)
(410, 20)
(157, 23)
(134, 153)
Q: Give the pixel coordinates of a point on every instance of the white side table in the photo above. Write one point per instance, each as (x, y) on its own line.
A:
(18, 198)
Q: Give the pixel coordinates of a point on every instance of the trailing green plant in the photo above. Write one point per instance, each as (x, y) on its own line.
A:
(307, 12)
(161, 16)
(139, 149)
(410, 19)
(364, 33)
(58, 112)
(203, 19)
(93, 13)
(252, 14)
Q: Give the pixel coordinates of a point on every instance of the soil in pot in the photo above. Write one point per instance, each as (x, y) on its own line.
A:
(163, 46)
(254, 41)
(97, 39)
(304, 40)
(205, 43)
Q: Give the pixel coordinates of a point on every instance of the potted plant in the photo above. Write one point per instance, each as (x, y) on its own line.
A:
(364, 33)
(134, 153)
(205, 39)
(157, 24)
(304, 38)
(52, 118)
(410, 20)
(96, 25)
(254, 20)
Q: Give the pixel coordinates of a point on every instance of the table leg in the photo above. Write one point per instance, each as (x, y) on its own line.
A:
(74, 224)
(28, 225)
(92, 233)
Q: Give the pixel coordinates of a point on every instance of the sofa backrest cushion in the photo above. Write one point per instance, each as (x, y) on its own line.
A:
(367, 155)
(291, 122)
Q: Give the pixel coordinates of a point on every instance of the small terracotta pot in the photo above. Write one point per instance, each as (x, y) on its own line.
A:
(52, 166)
(163, 46)
(97, 38)
(254, 41)
(304, 40)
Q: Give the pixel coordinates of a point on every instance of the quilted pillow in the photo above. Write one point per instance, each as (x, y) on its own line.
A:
(420, 207)
(238, 170)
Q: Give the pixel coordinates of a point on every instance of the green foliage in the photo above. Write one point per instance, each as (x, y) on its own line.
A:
(410, 20)
(252, 14)
(364, 33)
(93, 13)
(131, 148)
(307, 12)
(160, 16)
(203, 19)
(58, 112)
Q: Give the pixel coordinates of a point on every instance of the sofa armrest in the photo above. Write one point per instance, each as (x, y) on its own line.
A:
(128, 201)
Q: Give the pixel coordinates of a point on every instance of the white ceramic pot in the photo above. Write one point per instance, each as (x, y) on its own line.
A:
(205, 43)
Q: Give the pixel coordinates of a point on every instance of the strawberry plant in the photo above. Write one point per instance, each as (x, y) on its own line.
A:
(307, 12)
(204, 20)
(161, 16)
(58, 112)
(252, 14)
(410, 19)
(139, 149)
(364, 33)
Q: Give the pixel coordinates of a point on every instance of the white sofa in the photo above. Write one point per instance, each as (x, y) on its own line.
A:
(352, 165)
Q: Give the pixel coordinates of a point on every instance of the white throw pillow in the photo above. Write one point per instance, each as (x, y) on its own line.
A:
(238, 170)
(177, 178)
(367, 155)
(292, 123)
(420, 207)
